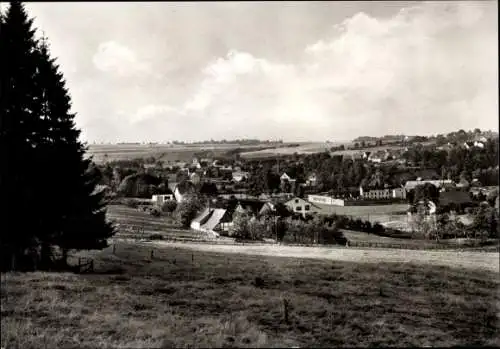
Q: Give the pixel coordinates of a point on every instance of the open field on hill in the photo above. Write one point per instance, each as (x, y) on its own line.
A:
(303, 148)
(311, 148)
(186, 298)
(163, 152)
(370, 149)
(373, 213)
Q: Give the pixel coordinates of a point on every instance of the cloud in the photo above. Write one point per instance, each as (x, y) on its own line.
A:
(150, 112)
(430, 68)
(112, 57)
(303, 72)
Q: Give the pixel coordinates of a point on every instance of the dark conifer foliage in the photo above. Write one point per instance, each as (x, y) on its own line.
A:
(54, 193)
(18, 130)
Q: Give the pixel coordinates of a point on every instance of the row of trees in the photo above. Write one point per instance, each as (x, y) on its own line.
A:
(37, 131)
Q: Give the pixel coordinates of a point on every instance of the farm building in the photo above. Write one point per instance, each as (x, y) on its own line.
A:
(275, 209)
(440, 184)
(253, 207)
(161, 198)
(312, 180)
(211, 220)
(239, 176)
(388, 193)
(299, 205)
(182, 189)
(325, 199)
(286, 177)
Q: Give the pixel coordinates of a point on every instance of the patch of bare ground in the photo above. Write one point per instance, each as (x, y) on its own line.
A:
(189, 298)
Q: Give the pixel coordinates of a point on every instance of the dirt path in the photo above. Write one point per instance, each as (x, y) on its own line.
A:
(471, 260)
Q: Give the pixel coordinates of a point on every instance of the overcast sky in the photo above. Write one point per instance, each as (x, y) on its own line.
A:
(296, 71)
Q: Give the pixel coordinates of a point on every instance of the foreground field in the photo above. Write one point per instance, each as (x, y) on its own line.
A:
(487, 261)
(199, 299)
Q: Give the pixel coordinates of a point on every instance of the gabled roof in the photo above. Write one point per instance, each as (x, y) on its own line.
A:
(253, 206)
(203, 216)
(303, 201)
(409, 185)
(214, 218)
(183, 187)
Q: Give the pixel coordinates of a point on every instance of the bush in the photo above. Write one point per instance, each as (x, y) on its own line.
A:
(377, 228)
(131, 203)
(155, 237)
(155, 212)
(187, 210)
(169, 206)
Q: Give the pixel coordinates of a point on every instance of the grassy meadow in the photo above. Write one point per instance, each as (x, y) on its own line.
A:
(394, 214)
(186, 298)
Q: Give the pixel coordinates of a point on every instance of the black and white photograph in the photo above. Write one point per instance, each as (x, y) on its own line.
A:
(254, 174)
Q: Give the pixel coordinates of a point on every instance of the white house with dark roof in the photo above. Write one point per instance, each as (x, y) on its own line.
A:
(299, 205)
(312, 180)
(286, 177)
(239, 176)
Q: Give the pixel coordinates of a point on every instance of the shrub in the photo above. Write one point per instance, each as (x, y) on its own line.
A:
(156, 237)
(155, 212)
(169, 206)
(187, 210)
(377, 228)
(131, 203)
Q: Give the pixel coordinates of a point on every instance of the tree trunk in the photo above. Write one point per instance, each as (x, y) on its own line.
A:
(45, 257)
(64, 260)
(13, 261)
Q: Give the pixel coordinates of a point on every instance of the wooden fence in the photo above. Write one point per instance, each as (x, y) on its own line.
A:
(85, 265)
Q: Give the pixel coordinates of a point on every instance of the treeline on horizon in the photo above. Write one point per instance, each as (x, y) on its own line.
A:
(440, 139)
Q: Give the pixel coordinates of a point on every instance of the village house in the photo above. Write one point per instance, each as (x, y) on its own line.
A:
(379, 156)
(212, 220)
(181, 190)
(240, 176)
(286, 177)
(312, 180)
(463, 184)
(195, 178)
(253, 207)
(387, 193)
(299, 205)
(226, 168)
(149, 166)
(159, 199)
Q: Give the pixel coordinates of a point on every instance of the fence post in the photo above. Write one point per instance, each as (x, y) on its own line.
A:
(192, 258)
(114, 248)
(152, 254)
(285, 309)
(92, 265)
(79, 262)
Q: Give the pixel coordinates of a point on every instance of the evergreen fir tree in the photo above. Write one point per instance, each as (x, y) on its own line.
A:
(18, 134)
(46, 186)
(76, 218)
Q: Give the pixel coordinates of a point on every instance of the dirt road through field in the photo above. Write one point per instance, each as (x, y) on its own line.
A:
(471, 260)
